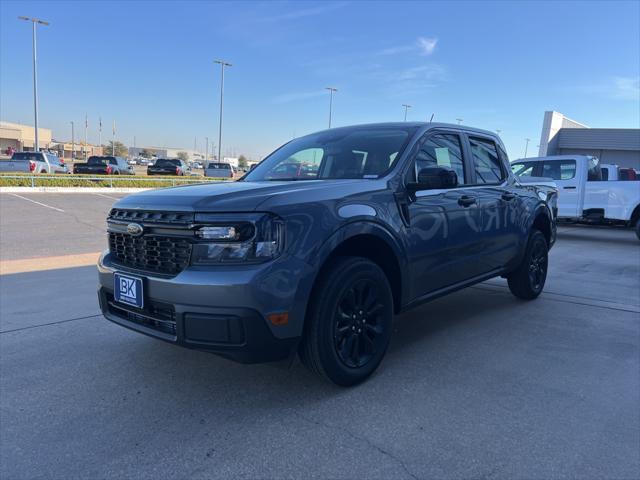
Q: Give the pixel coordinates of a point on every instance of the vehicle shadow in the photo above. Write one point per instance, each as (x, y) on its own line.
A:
(595, 233)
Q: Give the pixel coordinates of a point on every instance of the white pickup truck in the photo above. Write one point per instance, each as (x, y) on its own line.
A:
(34, 162)
(583, 194)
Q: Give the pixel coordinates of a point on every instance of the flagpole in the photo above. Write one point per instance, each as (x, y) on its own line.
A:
(113, 142)
(100, 132)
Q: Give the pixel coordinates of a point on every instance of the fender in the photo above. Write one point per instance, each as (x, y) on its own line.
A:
(355, 227)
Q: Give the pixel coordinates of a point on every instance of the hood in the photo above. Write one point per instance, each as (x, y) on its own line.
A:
(238, 196)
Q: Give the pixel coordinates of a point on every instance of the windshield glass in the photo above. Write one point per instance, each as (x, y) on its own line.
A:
(37, 157)
(352, 152)
(167, 162)
(98, 160)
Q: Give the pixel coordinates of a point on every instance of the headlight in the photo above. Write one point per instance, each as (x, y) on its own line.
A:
(250, 239)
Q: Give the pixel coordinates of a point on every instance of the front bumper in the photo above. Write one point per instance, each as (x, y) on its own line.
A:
(222, 310)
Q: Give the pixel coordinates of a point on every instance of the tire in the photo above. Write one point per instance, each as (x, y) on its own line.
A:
(527, 281)
(349, 321)
(43, 171)
(637, 228)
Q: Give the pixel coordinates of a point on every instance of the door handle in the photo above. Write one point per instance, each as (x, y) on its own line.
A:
(466, 201)
(508, 196)
(569, 188)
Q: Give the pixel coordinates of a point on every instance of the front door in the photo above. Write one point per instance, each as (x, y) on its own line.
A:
(444, 235)
(564, 173)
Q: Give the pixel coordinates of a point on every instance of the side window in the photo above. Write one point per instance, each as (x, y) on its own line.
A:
(442, 150)
(559, 169)
(523, 169)
(486, 161)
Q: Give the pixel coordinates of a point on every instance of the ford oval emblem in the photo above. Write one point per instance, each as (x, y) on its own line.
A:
(134, 229)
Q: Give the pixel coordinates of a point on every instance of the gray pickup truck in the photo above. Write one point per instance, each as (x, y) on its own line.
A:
(34, 162)
(384, 218)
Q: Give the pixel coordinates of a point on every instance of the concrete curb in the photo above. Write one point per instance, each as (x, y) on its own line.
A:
(71, 190)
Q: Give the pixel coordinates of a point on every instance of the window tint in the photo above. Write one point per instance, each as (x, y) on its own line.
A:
(486, 161)
(36, 157)
(355, 152)
(442, 150)
(559, 169)
(167, 162)
(523, 169)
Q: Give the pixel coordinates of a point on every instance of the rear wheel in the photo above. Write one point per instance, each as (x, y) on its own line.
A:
(528, 280)
(349, 322)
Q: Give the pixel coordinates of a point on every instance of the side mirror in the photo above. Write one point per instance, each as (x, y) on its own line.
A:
(434, 178)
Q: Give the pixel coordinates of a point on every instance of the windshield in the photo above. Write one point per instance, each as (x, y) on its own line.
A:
(166, 162)
(98, 160)
(352, 152)
(36, 157)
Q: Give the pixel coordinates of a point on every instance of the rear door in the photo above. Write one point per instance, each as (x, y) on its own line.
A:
(497, 200)
(565, 173)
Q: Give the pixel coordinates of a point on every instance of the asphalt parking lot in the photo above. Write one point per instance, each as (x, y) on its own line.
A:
(475, 385)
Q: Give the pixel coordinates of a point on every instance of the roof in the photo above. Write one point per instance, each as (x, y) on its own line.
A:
(600, 138)
(422, 125)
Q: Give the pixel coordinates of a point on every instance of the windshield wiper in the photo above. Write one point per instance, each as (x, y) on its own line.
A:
(291, 179)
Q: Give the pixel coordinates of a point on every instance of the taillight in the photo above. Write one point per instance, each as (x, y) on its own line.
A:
(32, 166)
(177, 170)
(108, 169)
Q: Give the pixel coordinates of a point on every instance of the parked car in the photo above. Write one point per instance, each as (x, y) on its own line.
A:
(104, 165)
(219, 170)
(169, 166)
(585, 195)
(34, 162)
(255, 270)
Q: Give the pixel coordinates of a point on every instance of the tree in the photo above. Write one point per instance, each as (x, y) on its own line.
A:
(121, 149)
(146, 153)
(242, 161)
(184, 156)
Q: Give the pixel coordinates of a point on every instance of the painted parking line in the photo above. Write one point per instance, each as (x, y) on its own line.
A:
(106, 196)
(37, 203)
(8, 267)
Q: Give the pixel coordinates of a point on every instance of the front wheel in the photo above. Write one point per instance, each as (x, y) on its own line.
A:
(528, 280)
(349, 322)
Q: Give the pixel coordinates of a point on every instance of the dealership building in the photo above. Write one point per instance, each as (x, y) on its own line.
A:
(564, 136)
(22, 137)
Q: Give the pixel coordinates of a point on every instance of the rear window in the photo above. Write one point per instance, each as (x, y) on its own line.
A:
(26, 156)
(167, 162)
(486, 161)
(100, 160)
(224, 166)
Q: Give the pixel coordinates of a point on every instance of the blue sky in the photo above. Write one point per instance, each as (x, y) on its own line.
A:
(149, 65)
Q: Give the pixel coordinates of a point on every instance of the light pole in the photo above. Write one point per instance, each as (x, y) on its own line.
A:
(73, 142)
(206, 150)
(406, 109)
(100, 132)
(331, 91)
(33, 21)
(526, 147)
(459, 120)
(86, 125)
(222, 65)
(113, 142)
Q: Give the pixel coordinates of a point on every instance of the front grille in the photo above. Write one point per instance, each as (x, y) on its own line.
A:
(157, 316)
(153, 253)
(150, 217)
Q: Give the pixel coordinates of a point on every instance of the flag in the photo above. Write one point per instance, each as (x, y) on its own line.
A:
(100, 129)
